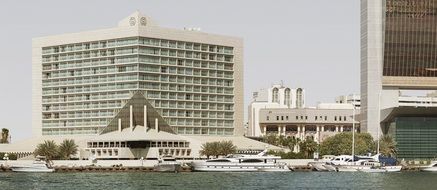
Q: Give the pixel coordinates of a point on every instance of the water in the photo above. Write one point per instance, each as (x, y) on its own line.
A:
(197, 180)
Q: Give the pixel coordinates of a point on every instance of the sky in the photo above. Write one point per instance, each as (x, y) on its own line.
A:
(312, 44)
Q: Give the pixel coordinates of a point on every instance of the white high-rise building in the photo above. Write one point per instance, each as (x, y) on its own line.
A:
(192, 81)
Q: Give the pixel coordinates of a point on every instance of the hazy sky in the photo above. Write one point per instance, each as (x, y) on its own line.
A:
(313, 44)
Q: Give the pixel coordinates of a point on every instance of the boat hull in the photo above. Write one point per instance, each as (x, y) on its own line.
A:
(373, 170)
(239, 167)
(432, 169)
(392, 168)
(352, 168)
(32, 169)
(167, 167)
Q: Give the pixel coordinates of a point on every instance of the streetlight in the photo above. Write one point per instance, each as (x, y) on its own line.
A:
(6, 157)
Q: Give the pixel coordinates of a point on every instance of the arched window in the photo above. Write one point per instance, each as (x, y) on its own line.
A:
(287, 97)
(299, 98)
(275, 97)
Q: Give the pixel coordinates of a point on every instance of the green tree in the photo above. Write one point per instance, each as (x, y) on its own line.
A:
(290, 142)
(49, 149)
(67, 149)
(271, 139)
(387, 146)
(342, 144)
(308, 147)
(227, 147)
(218, 148)
(5, 136)
(210, 149)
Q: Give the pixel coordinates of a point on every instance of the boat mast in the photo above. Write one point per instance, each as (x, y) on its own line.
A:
(379, 121)
(353, 129)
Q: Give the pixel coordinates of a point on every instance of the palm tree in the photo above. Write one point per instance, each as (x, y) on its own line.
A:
(271, 139)
(67, 149)
(49, 149)
(387, 146)
(227, 147)
(290, 143)
(5, 136)
(308, 146)
(210, 149)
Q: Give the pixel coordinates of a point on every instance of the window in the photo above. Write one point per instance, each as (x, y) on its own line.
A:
(286, 117)
(299, 98)
(287, 97)
(268, 118)
(335, 118)
(277, 118)
(275, 95)
(282, 118)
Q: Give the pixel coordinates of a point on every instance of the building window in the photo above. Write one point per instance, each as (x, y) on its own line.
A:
(275, 95)
(335, 118)
(344, 118)
(282, 118)
(268, 118)
(297, 117)
(299, 98)
(287, 98)
(286, 117)
(277, 118)
(326, 118)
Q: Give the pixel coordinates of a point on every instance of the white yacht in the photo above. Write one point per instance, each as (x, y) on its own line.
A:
(39, 165)
(430, 168)
(167, 164)
(242, 163)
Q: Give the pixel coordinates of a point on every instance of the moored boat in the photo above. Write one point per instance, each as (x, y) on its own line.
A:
(242, 163)
(40, 165)
(431, 167)
(167, 164)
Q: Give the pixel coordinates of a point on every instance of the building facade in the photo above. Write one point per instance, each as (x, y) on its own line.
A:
(281, 111)
(398, 39)
(192, 79)
(316, 123)
(277, 96)
(398, 52)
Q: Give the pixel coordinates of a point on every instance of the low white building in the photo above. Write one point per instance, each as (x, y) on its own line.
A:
(277, 96)
(273, 111)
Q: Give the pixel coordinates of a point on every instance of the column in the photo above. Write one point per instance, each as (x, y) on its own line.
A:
(323, 128)
(283, 129)
(336, 128)
(265, 130)
(317, 133)
(279, 130)
(145, 118)
(341, 128)
(303, 132)
(131, 118)
(119, 124)
(156, 125)
(298, 131)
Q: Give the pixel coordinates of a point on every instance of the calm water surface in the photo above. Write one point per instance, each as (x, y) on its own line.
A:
(195, 180)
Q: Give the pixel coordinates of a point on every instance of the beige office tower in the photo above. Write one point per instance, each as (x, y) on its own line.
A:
(186, 81)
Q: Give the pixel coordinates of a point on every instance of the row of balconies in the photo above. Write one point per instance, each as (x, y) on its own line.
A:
(134, 51)
(138, 41)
